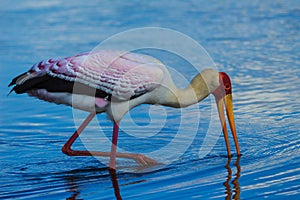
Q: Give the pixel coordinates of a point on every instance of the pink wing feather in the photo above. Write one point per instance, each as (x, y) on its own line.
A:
(120, 74)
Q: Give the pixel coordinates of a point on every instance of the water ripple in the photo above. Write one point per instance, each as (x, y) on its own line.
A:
(256, 43)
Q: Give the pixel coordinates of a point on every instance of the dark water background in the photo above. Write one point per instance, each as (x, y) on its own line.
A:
(256, 42)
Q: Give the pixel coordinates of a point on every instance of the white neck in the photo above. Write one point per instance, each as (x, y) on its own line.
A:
(200, 87)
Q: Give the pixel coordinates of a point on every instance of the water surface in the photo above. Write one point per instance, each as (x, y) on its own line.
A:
(256, 42)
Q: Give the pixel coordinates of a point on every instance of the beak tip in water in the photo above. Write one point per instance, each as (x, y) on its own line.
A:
(226, 102)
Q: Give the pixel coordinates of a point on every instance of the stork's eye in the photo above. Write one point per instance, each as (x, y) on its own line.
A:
(227, 86)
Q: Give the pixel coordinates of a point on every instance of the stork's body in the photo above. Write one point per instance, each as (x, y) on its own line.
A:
(114, 82)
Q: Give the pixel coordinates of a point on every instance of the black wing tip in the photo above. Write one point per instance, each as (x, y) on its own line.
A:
(13, 89)
(11, 83)
(14, 80)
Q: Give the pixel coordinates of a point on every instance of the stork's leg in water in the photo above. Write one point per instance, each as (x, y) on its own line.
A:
(138, 158)
(113, 150)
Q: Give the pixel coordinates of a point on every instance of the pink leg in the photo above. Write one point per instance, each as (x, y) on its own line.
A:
(67, 147)
(139, 158)
(113, 151)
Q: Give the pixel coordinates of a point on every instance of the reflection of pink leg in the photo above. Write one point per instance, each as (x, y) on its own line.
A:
(113, 176)
(139, 158)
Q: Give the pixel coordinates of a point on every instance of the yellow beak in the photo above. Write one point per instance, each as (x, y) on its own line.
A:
(230, 116)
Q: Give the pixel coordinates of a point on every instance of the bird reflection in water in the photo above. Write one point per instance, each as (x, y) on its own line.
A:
(115, 184)
(79, 176)
(73, 187)
(232, 180)
(235, 192)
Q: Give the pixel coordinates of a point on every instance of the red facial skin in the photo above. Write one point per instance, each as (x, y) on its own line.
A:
(224, 88)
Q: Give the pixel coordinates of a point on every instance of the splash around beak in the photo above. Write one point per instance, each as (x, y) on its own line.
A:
(223, 97)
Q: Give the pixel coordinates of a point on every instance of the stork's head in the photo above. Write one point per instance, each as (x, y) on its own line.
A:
(223, 95)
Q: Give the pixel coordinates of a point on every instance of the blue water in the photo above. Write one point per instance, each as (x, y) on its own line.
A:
(256, 42)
